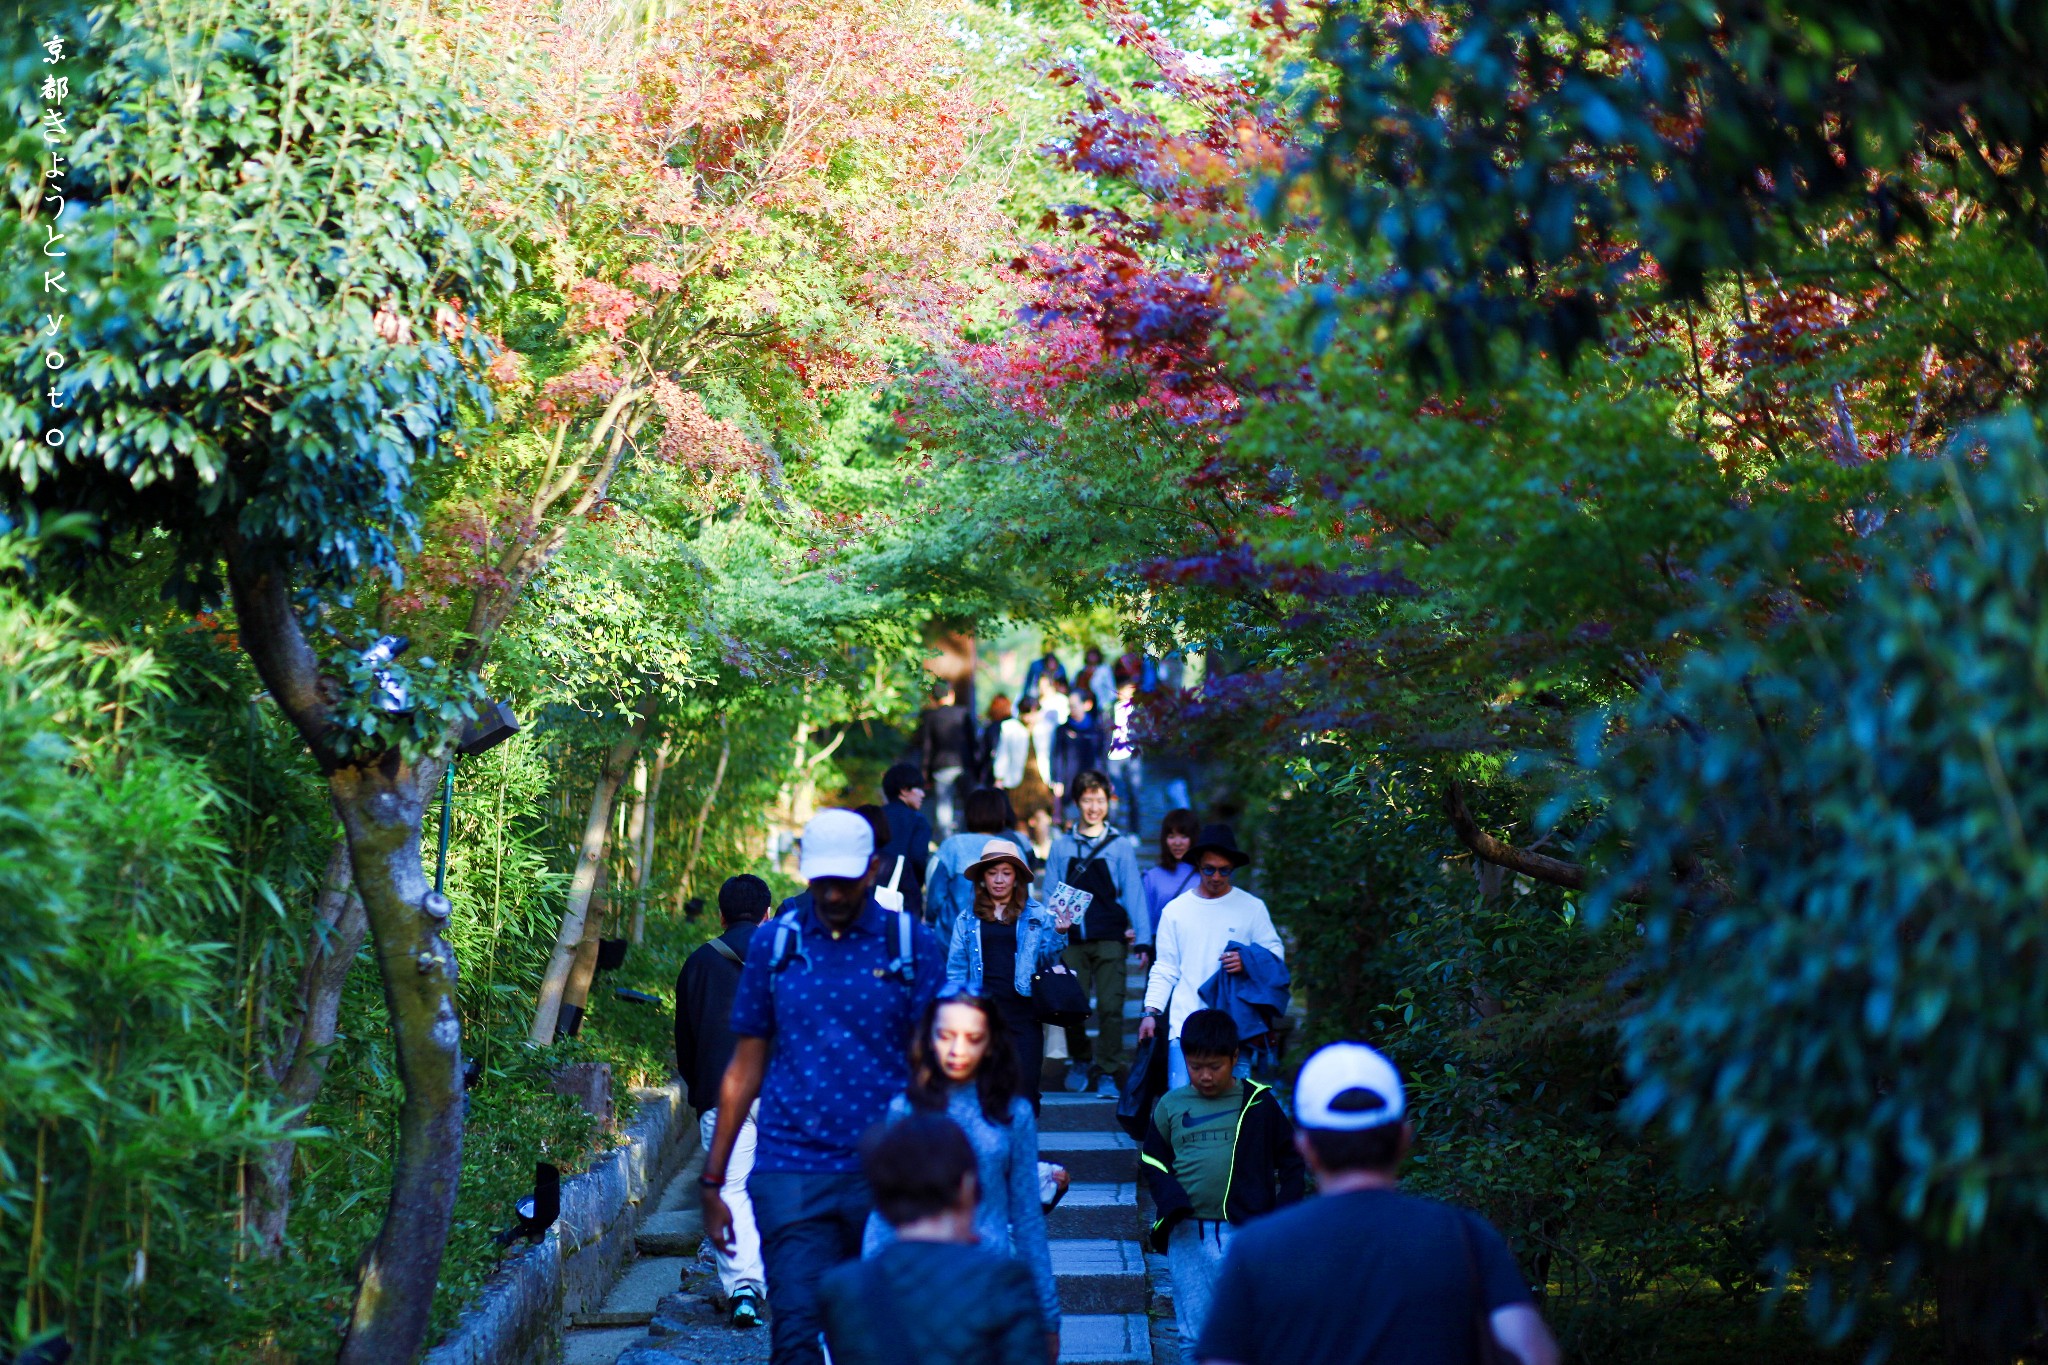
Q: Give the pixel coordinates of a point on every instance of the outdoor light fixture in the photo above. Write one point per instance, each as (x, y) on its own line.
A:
(571, 1022)
(496, 725)
(472, 1072)
(49, 1351)
(396, 696)
(611, 954)
(537, 1211)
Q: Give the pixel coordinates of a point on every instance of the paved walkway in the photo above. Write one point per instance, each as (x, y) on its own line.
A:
(1113, 1296)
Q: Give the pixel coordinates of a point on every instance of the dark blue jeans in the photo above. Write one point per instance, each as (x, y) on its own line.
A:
(809, 1223)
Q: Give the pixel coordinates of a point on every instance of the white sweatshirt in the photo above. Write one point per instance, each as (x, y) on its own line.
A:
(1190, 938)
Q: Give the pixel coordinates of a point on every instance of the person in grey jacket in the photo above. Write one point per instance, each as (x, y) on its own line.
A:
(1006, 940)
(947, 891)
(1095, 857)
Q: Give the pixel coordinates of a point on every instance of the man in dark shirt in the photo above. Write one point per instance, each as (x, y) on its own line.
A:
(704, 1042)
(1363, 1274)
(910, 835)
(823, 1016)
(948, 745)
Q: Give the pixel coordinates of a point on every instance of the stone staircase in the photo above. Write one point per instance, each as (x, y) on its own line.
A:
(1106, 1281)
(1098, 1255)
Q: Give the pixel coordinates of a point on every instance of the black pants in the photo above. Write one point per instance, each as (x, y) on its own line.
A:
(1027, 1040)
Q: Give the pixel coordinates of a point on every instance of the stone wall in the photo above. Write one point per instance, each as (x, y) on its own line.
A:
(517, 1318)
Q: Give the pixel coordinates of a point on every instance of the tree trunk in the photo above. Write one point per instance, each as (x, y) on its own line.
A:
(381, 806)
(381, 800)
(299, 1067)
(583, 970)
(703, 815)
(640, 835)
(567, 939)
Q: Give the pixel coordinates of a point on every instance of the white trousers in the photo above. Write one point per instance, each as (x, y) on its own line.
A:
(742, 1269)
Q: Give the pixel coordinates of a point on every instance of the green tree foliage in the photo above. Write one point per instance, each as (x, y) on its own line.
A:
(269, 273)
(125, 1108)
(1840, 1015)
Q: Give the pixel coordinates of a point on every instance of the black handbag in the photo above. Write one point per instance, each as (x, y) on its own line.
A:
(1059, 997)
(1144, 1084)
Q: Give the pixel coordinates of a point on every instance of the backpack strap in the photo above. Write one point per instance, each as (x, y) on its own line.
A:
(787, 945)
(724, 950)
(1093, 853)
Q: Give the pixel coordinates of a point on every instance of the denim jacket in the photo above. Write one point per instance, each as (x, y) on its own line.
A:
(1038, 946)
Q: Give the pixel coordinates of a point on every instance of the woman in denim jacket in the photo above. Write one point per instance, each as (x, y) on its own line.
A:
(1008, 939)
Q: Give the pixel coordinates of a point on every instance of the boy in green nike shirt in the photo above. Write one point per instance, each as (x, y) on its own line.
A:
(1219, 1152)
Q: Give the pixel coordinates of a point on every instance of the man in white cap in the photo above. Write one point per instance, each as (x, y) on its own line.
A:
(832, 989)
(1363, 1274)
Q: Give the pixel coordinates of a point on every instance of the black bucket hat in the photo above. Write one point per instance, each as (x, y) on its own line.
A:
(1219, 839)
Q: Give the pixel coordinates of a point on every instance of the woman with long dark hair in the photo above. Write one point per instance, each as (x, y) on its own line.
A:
(1175, 873)
(962, 1066)
(1005, 940)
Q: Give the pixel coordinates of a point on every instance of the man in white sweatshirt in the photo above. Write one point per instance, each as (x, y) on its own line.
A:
(1190, 941)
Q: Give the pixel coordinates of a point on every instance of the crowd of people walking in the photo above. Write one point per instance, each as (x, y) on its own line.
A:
(868, 1063)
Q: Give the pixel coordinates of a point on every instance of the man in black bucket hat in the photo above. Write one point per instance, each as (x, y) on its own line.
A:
(1194, 936)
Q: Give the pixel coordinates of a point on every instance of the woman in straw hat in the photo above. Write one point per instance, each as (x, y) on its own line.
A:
(996, 951)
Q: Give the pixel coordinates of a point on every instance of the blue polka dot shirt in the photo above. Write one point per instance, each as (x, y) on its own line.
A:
(839, 1027)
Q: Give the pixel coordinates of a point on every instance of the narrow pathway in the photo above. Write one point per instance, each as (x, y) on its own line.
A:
(1098, 1252)
(1112, 1315)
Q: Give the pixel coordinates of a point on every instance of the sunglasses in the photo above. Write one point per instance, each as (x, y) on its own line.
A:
(1216, 871)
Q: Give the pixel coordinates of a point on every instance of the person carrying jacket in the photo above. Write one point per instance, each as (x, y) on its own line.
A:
(1096, 858)
(1194, 936)
(1219, 1152)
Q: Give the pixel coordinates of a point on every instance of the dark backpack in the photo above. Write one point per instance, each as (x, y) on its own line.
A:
(1105, 919)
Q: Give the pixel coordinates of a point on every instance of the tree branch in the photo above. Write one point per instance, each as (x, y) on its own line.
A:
(1536, 866)
(269, 630)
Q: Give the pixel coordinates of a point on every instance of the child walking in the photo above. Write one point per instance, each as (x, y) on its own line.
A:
(932, 1295)
(1218, 1153)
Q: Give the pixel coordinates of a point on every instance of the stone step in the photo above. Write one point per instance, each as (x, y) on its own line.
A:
(1105, 1339)
(1092, 1157)
(674, 1233)
(644, 1284)
(1062, 1111)
(1099, 1275)
(598, 1345)
(1097, 1210)
(1134, 1005)
(682, 1192)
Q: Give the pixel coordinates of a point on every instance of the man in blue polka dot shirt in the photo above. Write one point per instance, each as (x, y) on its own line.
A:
(823, 1042)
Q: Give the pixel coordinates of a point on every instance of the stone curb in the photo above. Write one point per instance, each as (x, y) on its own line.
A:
(517, 1317)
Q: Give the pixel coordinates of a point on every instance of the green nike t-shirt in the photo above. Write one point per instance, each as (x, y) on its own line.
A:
(1203, 1135)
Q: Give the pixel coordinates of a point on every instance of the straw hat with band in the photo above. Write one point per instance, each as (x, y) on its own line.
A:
(993, 852)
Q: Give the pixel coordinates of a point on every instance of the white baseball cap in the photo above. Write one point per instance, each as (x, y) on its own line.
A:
(837, 843)
(1348, 1087)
